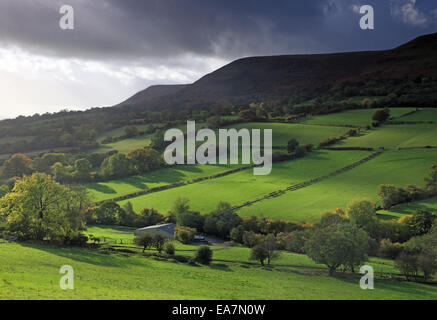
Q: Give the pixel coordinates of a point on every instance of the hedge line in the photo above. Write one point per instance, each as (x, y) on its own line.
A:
(309, 182)
(173, 185)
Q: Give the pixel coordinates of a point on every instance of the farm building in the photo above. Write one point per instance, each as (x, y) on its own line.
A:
(166, 230)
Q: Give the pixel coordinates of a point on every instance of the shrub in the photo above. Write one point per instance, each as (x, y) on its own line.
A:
(407, 264)
(158, 242)
(184, 234)
(203, 255)
(169, 248)
(259, 253)
(144, 240)
(389, 249)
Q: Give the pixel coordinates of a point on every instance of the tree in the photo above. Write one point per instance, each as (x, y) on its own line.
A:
(144, 160)
(115, 166)
(169, 248)
(16, 166)
(38, 208)
(158, 242)
(185, 234)
(148, 217)
(203, 255)
(362, 213)
(389, 194)
(292, 145)
(422, 222)
(144, 240)
(247, 115)
(45, 163)
(270, 244)
(130, 131)
(427, 264)
(338, 245)
(109, 213)
(82, 169)
(407, 265)
(381, 115)
(221, 221)
(259, 253)
(61, 173)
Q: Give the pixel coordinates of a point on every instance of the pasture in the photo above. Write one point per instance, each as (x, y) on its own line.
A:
(283, 132)
(394, 136)
(308, 204)
(361, 117)
(409, 208)
(421, 115)
(244, 186)
(106, 190)
(30, 271)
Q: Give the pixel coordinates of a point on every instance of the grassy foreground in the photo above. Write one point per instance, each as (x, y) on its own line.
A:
(32, 272)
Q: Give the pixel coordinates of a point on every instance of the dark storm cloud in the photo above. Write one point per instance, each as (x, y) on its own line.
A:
(162, 29)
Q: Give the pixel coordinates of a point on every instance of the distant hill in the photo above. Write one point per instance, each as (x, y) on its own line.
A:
(152, 93)
(260, 78)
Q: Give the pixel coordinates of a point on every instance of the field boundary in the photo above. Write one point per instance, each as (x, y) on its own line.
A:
(309, 182)
(173, 185)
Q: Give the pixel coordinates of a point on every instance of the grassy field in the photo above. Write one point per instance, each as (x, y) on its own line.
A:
(422, 115)
(123, 237)
(283, 132)
(105, 190)
(32, 272)
(361, 117)
(409, 208)
(393, 136)
(243, 186)
(308, 204)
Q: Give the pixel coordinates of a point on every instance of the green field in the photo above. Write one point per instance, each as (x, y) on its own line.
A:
(409, 208)
(422, 115)
(243, 186)
(283, 132)
(308, 204)
(360, 117)
(394, 136)
(32, 272)
(106, 190)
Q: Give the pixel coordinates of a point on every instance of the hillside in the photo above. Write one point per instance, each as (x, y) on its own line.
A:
(260, 78)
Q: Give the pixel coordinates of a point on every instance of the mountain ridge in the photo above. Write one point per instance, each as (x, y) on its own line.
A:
(265, 77)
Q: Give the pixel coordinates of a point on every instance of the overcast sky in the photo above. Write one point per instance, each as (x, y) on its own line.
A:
(119, 47)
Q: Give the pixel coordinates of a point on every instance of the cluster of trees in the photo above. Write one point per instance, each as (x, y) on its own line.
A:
(67, 168)
(111, 213)
(136, 161)
(157, 241)
(203, 254)
(40, 209)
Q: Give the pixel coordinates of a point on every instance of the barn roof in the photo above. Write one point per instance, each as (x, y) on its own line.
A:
(168, 227)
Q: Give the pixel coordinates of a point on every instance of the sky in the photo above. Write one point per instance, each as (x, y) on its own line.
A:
(119, 47)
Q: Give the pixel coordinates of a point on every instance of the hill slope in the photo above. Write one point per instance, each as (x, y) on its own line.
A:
(257, 78)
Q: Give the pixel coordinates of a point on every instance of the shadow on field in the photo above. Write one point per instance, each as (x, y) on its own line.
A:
(101, 188)
(391, 285)
(88, 256)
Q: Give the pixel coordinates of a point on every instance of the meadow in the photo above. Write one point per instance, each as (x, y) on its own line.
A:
(362, 117)
(106, 190)
(395, 136)
(421, 115)
(397, 167)
(283, 132)
(244, 186)
(409, 208)
(30, 271)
